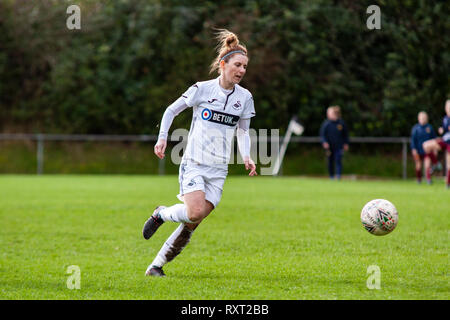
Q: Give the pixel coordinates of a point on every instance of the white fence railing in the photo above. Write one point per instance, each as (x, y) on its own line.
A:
(41, 138)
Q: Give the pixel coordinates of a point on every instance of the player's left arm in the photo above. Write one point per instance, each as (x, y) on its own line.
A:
(244, 144)
(243, 136)
(345, 136)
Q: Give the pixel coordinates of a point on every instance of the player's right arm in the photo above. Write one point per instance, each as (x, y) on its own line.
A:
(323, 138)
(171, 112)
(413, 141)
(188, 99)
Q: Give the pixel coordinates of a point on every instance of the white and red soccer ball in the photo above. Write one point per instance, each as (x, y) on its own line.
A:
(379, 217)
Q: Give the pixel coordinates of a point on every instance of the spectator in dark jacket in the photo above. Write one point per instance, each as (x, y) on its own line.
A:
(334, 139)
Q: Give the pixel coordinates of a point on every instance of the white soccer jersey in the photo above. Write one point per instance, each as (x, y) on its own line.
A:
(214, 120)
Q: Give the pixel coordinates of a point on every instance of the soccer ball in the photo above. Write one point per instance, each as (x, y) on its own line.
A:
(379, 217)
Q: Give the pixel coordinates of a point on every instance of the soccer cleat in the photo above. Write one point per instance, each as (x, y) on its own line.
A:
(153, 223)
(154, 271)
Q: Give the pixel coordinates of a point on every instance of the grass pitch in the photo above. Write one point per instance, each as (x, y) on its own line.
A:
(270, 238)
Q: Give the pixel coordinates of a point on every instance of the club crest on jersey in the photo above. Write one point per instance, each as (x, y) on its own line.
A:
(206, 114)
(428, 130)
(340, 127)
(237, 105)
(220, 117)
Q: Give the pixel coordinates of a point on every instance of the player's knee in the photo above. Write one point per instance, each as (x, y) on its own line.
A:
(196, 212)
(427, 148)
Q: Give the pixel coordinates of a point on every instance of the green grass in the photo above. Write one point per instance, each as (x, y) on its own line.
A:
(270, 238)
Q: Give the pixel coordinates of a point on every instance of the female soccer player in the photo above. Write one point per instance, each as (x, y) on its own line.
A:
(220, 106)
(442, 143)
(421, 132)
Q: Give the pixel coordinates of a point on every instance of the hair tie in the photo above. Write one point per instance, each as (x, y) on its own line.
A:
(231, 52)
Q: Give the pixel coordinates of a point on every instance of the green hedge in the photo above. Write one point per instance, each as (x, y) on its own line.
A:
(132, 58)
(138, 158)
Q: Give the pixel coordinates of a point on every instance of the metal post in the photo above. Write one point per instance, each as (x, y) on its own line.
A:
(405, 158)
(293, 127)
(40, 154)
(279, 160)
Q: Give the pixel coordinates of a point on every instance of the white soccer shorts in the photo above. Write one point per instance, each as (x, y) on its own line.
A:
(194, 176)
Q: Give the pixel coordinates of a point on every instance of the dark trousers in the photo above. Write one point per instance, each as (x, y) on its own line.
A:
(335, 158)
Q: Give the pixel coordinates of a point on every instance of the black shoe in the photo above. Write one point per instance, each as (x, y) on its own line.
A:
(155, 272)
(153, 223)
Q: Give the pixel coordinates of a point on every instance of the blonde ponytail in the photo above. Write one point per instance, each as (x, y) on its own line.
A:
(228, 44)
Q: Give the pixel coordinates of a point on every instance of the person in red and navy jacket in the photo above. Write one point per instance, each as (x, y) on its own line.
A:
(442, 143)
(421, 132)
